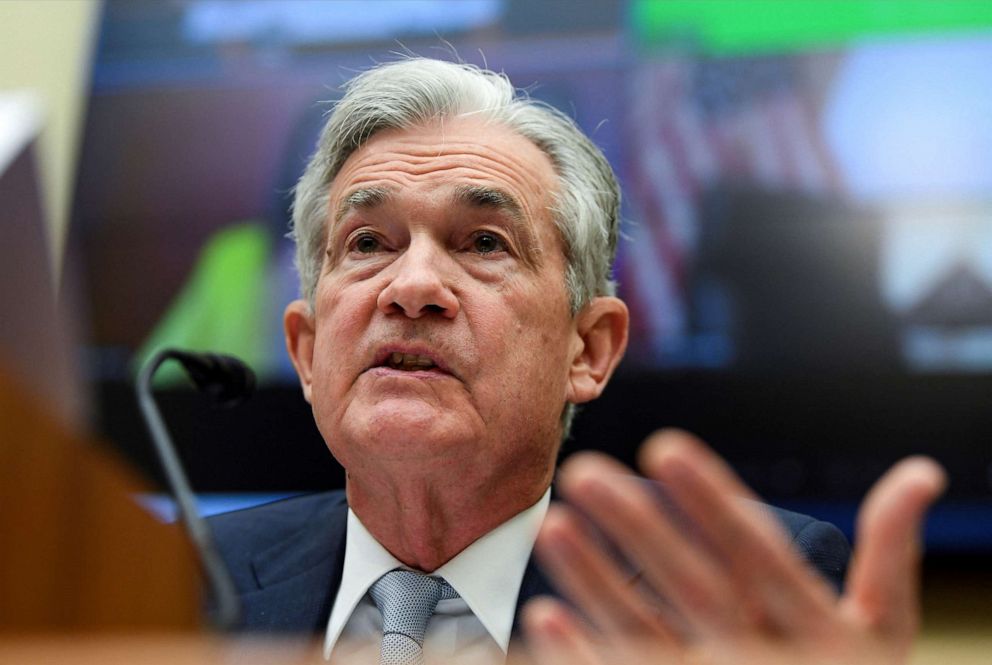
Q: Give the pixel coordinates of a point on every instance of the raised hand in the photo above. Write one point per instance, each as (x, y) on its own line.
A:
(734, 589)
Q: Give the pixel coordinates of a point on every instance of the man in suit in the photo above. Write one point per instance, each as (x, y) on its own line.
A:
(454, 244)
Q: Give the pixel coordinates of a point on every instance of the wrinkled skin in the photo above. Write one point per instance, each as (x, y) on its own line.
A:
(441, 249)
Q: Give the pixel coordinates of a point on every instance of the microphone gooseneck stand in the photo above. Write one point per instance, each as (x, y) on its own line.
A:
(228, 381)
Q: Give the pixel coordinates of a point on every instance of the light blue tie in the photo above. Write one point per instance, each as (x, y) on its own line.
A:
(406, 599)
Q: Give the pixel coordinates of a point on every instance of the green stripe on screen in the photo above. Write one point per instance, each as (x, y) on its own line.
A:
(732, 27)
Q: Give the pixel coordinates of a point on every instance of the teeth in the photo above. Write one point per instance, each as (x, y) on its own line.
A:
(410, 361)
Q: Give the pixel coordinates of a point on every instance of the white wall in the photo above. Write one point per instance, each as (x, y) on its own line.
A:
(46, 46)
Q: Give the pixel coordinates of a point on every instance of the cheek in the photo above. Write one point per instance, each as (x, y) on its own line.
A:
(342, 318)
(533, 341)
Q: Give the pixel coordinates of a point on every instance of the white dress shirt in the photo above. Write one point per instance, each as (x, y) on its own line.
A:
(475, 627)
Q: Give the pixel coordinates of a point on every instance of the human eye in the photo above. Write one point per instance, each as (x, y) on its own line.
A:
(487, 242)
(365, 242)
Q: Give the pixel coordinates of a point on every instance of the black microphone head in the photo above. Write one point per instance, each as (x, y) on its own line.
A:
(226, 379)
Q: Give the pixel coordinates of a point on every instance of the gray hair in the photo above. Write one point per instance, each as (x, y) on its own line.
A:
(399, 95)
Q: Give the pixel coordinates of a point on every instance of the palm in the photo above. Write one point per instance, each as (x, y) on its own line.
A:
(734, 591)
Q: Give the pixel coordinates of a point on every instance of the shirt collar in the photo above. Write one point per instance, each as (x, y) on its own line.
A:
(486, 574)
(365, 561)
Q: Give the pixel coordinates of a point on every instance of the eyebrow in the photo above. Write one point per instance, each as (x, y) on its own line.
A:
(482, 196)
(478, 196)
(365, 198)
(489, 197)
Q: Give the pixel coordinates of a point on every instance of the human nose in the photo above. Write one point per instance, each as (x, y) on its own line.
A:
(418, 286)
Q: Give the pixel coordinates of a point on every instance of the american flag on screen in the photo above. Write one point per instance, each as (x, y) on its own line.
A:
(693, 123)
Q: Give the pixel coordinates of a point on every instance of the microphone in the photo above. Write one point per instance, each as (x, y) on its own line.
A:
(227, 381)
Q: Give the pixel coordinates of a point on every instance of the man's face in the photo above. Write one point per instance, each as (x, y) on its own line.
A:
(441, 335)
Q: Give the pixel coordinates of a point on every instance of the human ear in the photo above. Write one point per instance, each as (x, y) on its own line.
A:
(298, 325)
(601, 329)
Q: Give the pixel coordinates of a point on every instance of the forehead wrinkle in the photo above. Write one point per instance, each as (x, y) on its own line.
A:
(420, 157)
(409, 150)
(401, 154)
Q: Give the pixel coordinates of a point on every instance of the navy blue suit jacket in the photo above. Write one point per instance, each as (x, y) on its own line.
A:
(287, 557)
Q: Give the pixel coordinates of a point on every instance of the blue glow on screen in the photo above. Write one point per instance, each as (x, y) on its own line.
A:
(307, 22)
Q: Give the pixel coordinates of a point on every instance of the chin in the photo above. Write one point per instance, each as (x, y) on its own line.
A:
(402, 427)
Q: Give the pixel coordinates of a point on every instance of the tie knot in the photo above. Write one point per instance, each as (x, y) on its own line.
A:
(406, 599)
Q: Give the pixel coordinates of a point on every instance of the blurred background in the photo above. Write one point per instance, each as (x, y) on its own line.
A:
(807, 218)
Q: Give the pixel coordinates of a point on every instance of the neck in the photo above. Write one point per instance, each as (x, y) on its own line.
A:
(424, 522)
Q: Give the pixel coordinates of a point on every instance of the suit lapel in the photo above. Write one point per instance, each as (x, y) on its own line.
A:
(290, 573)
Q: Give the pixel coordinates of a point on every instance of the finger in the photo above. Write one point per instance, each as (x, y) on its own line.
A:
(672, 440)
(778, 589)
(883, 585)
(622, 506)
(555, 635)
(591, 580)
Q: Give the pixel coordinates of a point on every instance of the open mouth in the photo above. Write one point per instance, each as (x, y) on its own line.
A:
(409, 362)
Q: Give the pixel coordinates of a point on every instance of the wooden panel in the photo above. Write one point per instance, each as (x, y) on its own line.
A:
(75, 552)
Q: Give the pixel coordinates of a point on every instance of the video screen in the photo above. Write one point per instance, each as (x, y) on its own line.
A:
(807, 219)
(787, 207)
